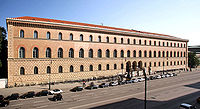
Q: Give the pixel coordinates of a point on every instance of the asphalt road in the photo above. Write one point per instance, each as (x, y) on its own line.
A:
(166, 93)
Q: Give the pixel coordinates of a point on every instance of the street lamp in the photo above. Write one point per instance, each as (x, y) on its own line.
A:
(49, 76)
(145, 88)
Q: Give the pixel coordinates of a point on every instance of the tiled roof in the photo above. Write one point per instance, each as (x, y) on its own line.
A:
(91, 25)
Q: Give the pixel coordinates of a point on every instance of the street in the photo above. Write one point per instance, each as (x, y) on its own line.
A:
(165, 93)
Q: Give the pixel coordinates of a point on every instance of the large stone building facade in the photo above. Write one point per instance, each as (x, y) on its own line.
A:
(42, 49)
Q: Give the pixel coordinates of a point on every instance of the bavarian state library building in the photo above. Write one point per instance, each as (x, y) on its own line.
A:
(41, 49)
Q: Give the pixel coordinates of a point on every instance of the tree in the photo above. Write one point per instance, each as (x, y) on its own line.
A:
(193, 61)
(3, 53)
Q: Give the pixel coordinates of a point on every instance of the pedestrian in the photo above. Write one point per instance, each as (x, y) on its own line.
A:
(84, 84)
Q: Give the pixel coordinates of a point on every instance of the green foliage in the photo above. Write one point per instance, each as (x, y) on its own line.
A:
(193, 61)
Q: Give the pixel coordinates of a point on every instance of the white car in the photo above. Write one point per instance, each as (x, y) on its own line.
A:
(135, 80)
(167, 75)
(158, 76)
(56, 91)
(140, 79)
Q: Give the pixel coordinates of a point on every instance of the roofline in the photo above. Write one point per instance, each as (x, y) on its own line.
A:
(98, 28)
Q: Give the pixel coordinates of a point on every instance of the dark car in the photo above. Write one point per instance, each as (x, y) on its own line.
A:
(151, 78)
(42, 93)
(198, 100)
(57, 97)
(102, 85)
(14, 96)
(77, 88)
(174, 74)
(129, 81)
(92, 87)
(30, 94)
(3, 102)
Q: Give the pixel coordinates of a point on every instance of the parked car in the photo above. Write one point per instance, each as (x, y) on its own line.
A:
(140, 79)
(129, 81)
(121, 82)
(42, 93)
(14, 96)
(92, 87)
(198, 100)
(30, 94)
(113, 84)
(162, 76)
(57, 97)
(174, 74)
(55, 91)
(77, 88)
(3, 102)
(167, 75)
(151, 77)
(157, 76)
(186, 106)
(102, 85)
(135, 80)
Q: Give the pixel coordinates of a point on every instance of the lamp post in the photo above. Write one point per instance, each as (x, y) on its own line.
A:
(145, 88)
(50, 76)
(163, 64)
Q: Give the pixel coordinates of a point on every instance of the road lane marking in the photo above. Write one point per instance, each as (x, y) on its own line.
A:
(16, 105)
(38, 101)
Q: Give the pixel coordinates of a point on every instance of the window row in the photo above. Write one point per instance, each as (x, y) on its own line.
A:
(155, 43)
(35, 53)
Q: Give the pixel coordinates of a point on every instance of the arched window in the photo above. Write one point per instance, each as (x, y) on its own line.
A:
(21, 52)
(145, 64)
(145, 42)
(178, 44)
(155, 43)
(115, 53)
(81, 68)
(174, 53)
(171, 44)
(154, 64)
(60, 69)
(150, 54)
(107, 53)
(134, 53)
(90, 53)
(122, 40)
(150, 42)
(71, 36)
(181, 54)
(22, 71)
(71, 68)
(177, 62)
(48, 35)
(48, 69)
(154, 53)
(115, 66)
(128, 40)
(99, 38)
(128, 53)
(174, 62)
(107, 67)
(163, 54)
(171, 63)
(21, 34)
(140, 42)
(163, 43)
(115, 40)
(167, 54)
(81, 53)
(90, 38)
(170, 53)
(181, 47)
(134, 41)
(99, 67)
(60, 53)
(158, 63)
(145, 53)
(35, 52)
(167, 44)
(71, 53)
(149, 64)
(35, 70)
(81, 37)
(107, 39)
(174, 44)
(99, 53)
(140, 53)
(167, 63)
(60, 36)
(48, 53)
(122, 53)
(35, 35)
(184, 54)
(159, 43)
(177, 54)
(122, 66)
(91, 68)
(159, 54)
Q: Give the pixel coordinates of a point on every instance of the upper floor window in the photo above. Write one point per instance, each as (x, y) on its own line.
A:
(178, 44)
(60, 53)
(145, 42)
(90, 53)
(99, 38)
(71, 69)
(140, 42)
(159, 54)
(71, 53)
(107, 39)
(22, 71)
(48, 69)
(81, 53)
(35, 52)
(35, 70)
(159, 43)
(167, 53)
(150, 42)
(128, 53)
(71, 36)
(170, 53)
(122, 40)
(122, 53)
(90, 38)
(60, 69)
(115, 53)
(115, 40)
(81, 37)
(171, 44)
(167, 44)
(140, 53)
(174, 53)
(122, 66)
(134, 41)
(60, 36)
(150, 54)
(99, 67)
(163, 43)
(21, 52)
(181, 45)
(163, 54)
(154, 53)
(155, 43)
(21, 34)
(91, 68)
(134, 53)
(48, 35)
(99, 53)
(35, 35)
(48, 53)
(107, 53)
(174, 44)
(128, 40)
(107, 67)
(145, 53)
(81, 68)
(115, 66)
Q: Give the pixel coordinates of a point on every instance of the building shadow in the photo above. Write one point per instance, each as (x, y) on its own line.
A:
(134, 103)
(194, 85)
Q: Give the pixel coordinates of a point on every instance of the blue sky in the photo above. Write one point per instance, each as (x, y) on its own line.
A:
(180, 18)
